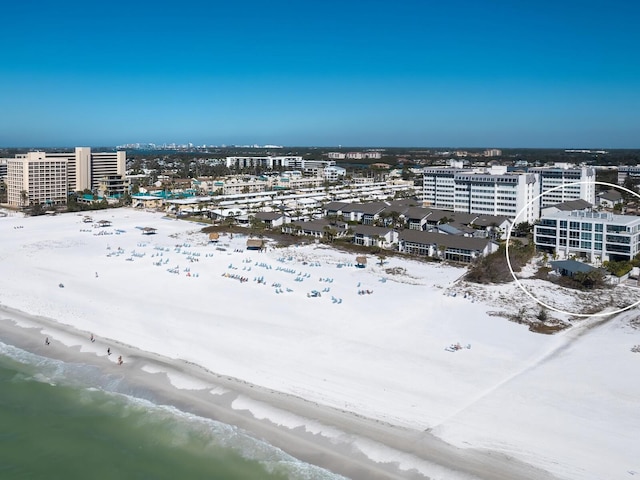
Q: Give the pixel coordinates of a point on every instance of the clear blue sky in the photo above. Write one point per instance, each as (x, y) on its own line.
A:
(457, 73)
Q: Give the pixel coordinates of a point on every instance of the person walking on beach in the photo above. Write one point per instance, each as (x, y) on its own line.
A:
(46, 341)
(120, 362)
(108, 351)
(92, 339)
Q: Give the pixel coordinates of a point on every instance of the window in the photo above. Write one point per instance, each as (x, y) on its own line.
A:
(616, 228)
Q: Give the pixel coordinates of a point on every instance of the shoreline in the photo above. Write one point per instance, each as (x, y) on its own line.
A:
(341, 453)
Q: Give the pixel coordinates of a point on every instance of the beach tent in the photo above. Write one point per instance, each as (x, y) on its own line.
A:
(254, 244)
(214, 236)
(361, 261)
(148, 231)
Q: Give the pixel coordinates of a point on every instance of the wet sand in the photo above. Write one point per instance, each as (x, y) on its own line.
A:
(338, 454)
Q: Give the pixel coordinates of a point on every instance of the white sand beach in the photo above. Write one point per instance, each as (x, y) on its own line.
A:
(358, 377)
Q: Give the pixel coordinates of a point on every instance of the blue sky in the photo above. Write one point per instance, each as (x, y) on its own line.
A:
(460, 73)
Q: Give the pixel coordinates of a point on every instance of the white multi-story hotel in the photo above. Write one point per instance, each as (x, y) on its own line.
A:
(32, 178)
(498, 192)
(625, 171)
(333, 174)
(439, 186)
(561, 174)
(268, 162)
(48, 177)
(494, 193)
(594, 236)
(273, 163)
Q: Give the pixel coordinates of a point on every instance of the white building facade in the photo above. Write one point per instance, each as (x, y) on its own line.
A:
(42, 174)
(625, 171)
(439, 187)
(507, 195)
(582, 178)
(274, 163)
(498, 192)
(592, 235)
(333, 173)
(495, 193)
(34, 179)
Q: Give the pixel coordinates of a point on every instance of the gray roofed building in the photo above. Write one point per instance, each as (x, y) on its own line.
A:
(373, 207)
(458, 217)
(271, 219)
(448, 229)
(416, 217)
(570, 267)
(612, 195)
(315, 228)
(610, 198)
(569, 206)
(368, 236)
(448, 247)
(333, 208)
(363, 212)
(268, 215)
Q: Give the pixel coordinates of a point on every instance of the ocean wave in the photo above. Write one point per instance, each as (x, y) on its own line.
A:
(114, 394)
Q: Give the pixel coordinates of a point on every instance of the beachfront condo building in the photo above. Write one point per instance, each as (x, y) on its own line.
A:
(48, 177)
(591, 235)
(495, 192)
(576, 182)
(498, 192)
(32, 178)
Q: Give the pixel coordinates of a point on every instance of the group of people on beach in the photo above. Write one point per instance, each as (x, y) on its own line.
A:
(93, 339)
(120, 361)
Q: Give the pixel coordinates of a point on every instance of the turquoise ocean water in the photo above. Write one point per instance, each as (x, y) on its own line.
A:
(70, 421)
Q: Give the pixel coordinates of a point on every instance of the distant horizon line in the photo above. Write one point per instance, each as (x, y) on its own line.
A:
(335, 147)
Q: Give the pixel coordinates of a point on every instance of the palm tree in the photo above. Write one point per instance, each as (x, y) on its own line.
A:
(24, 198)
(329, 233)
(395, 219)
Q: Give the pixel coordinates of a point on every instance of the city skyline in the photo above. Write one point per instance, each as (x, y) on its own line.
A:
(376, 73)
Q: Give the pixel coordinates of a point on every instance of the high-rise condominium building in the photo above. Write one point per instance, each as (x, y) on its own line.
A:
(32, 178)
(493, 193)
(576, 182)
(498, 192)
(49, 177)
